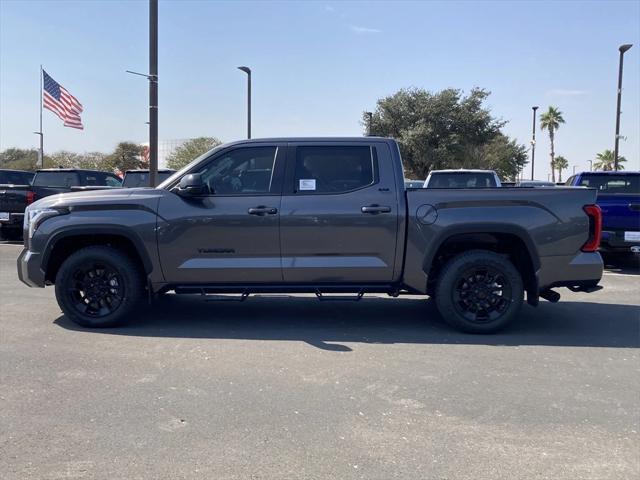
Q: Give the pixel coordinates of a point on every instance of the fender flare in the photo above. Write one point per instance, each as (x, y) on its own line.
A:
(112, 230)
(476, 228)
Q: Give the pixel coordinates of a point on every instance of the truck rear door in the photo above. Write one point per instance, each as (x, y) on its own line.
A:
(339, 213)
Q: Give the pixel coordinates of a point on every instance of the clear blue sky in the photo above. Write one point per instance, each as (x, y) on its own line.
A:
(317, 66)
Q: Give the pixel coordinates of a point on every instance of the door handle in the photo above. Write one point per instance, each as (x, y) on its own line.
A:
(262, 210)
(375, 209)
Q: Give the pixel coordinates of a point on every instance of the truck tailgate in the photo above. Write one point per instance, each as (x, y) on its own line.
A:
(620, 211)
(13, 198)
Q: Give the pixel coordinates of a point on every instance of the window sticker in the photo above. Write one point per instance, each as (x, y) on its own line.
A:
(307, 184)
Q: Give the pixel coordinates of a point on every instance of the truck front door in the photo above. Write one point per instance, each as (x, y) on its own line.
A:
(230, 234)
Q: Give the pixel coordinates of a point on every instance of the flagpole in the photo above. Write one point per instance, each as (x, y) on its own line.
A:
(41, 151)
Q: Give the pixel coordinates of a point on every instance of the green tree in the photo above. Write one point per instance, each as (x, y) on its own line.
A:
(550, 121)
(445, 129)
(190, 150)
(19, 159)
(126, 156)
(606, 161)
(502, 154)
(560, 163)
(88, 160)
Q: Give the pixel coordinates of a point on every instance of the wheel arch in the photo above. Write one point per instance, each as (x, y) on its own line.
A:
(510, 240)
(63, 243)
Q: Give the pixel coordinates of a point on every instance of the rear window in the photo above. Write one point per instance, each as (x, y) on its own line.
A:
(15, 178)
(56, 179)
(462, 180)
(612, 183)
(99, 179)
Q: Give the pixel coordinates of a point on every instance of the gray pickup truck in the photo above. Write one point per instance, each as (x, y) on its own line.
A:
(321, 216)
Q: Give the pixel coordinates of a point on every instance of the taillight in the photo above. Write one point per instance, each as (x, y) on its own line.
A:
(31, 197)
(595, 228)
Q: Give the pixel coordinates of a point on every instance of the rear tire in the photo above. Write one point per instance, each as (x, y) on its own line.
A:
(479, 292)
(99, 287)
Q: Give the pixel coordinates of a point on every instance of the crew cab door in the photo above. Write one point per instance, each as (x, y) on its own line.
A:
(339, 213)
(230, 234)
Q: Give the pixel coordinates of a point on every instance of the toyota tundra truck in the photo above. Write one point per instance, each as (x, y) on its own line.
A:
(326, 216)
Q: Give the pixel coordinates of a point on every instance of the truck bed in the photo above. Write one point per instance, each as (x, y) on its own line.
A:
(549, 223)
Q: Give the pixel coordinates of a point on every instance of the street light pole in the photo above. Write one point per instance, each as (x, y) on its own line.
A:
(591, 165)
(622, 49)
(247, 70)
(153, 93)
(369, 123)
(533, 143)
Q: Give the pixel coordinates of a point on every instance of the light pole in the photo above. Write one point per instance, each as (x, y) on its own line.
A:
(591, 165)
(533, 143)
(247, 70)
(369, 122)
(153, 124)
(622, 49)
(153, 93)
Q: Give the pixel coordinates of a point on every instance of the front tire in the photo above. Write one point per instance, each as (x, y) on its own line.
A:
(479, 292)
(99, 287)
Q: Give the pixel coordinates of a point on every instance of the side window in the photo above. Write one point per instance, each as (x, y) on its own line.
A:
(247, 170)
(334, 169)
(90, 179)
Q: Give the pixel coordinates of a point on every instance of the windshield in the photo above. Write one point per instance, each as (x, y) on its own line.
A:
(188, 167)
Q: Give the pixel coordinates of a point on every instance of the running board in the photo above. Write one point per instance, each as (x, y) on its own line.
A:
(357, 290)
(336, 298)
(225, 298)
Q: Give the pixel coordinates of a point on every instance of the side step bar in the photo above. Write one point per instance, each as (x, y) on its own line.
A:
(335, 298)
(322, 292)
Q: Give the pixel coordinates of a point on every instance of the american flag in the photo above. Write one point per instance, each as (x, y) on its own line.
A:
(57, 99)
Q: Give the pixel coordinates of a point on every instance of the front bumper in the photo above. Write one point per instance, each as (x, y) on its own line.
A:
(29, 269)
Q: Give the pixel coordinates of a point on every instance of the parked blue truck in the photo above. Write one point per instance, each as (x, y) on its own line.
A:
(619, 200)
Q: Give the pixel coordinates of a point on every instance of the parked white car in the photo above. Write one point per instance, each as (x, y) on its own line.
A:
(462, 178)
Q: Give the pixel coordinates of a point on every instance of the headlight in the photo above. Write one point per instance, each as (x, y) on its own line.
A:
(34, 217)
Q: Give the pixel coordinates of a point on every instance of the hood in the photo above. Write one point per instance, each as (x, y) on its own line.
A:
(101, 198)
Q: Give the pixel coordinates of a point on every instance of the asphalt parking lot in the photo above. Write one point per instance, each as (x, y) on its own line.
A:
(294, 388)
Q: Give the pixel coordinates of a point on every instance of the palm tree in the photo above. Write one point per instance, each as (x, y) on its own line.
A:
(551, 120)
(605, 161)
(560, 163)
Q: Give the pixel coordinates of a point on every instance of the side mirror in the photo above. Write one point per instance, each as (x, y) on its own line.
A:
(191, 185)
